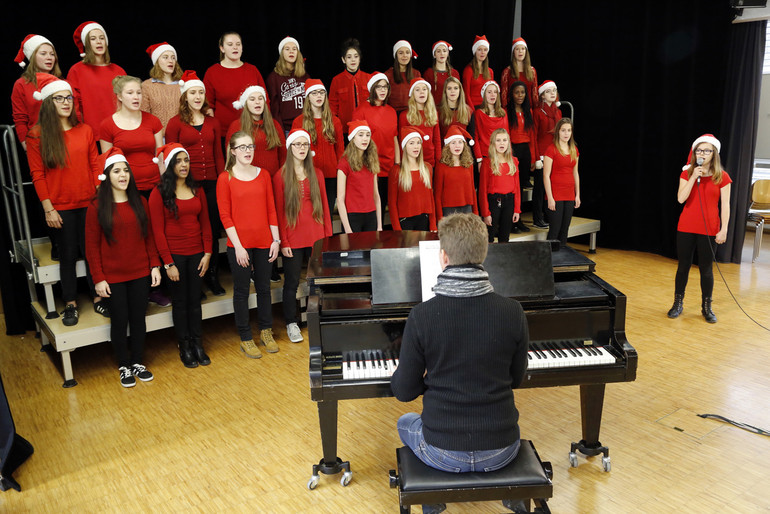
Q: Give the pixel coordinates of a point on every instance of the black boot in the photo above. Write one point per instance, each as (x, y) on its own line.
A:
(187, 355)
(196, 346)
(521, 226)
(676, 309)
(212, 277)
(706, 310)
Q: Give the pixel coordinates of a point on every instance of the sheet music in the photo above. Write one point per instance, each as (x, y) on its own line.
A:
(429, 267)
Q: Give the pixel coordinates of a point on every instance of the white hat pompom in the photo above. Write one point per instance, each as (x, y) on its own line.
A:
(155, 160)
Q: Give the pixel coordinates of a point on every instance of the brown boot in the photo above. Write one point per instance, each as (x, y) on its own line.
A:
(250, 349)
(266, 336)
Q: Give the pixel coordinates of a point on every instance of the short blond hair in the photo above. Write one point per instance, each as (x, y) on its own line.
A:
(463, 237)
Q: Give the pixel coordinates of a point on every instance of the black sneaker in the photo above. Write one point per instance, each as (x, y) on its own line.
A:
(100, 307)
(70, 315)
(540, 224)
(275, 276)
(141, 372)
(126, 377)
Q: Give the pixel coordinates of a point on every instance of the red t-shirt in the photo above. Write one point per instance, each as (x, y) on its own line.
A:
(383, 121)
(270, 159)
(92, 89)
(327, 154)
(431, 149)
(188, 233)
(204, 146)
(405, 204)
(453, 187)
(503, 183)
(138, 146)
(347, 92)
(249, 206)
(562, 178)
(359, 188)
(700, 214)
(472, 87)
(307, 230)
(225, 85)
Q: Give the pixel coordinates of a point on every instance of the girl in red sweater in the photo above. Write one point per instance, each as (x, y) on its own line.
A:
(522, 132)
(303, 219)
(348, 89)
(286, 84)
(325, 132)
(180, 224)
(124, 262)
(453, 108)
(201, 136)
(400, 75)
(487, 118)
(520, 70)
(410, 194)
(91, 79)
(477, 72)
(441, 70)
(561, 180)
(269, 140)
(421, 113)
(453, 179)
(358, 197)
(42, 58)
(247, 209)
(160, 92)
(63, 163)
(499, 201)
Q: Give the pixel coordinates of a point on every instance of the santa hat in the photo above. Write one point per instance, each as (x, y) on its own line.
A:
(189, 80)
(356, 126)
(402, 43)
(28, 47)
(241, 102)
(48, 84)
(416, 81)
(313, 85)
(487, 84)
(548, 84)
(705, 138)
(456, 131)
(169, 150)
(155, 51)
(519, 41)
(408, 133)
(479, 41)
(376, 77)
(294, 135)
(285, 41)
(81, 35)
(438, 44)
(109, 158)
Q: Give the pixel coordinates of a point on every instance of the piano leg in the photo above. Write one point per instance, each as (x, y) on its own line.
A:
(330, 464)
(591, 404)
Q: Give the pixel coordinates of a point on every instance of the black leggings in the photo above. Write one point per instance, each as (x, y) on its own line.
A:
(186, 297)
(501, 210)
(128, 307)
(521, 152)
(72, 244)
(292, 271)
(363, 221)
(417, 222)
(259, 270)
(559, 220)
(686, 243)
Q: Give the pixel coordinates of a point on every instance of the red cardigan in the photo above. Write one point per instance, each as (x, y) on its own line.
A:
(431, 149)
(204, 146)
(270, 159)
(327, 154)
(472, 87)
(453, 187)
(436, 79)
(399, 93)
(225, 85)
(498, 184)
(131, 256)
(347, 92)
(92, 89)
(383, 121)
(404, 204)
(481, 127)
(187, 234)
(248, 206)
(307, 230)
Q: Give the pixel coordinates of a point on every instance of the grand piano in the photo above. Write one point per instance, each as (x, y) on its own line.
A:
(363, 285)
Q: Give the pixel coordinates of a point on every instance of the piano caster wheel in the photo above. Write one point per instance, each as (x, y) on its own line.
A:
(606, 465)
(573, 460)
(313, 482)
(346, 478)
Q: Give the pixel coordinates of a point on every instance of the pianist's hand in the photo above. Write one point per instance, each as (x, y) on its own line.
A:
(286, 252)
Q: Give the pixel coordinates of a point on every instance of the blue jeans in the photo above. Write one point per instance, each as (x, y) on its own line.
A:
(410, 432)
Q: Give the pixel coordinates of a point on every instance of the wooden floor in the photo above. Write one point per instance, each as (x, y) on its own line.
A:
(241, 435)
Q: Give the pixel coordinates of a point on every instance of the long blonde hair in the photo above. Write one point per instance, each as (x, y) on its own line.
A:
(446, 114)
(283, 68)
(507, 157)
(571, 143)
(715, 165)
(405, 173)
(413, 111)
(327, 122)
(359, 159)
(249, 126)
(231, 159)
(292, 200)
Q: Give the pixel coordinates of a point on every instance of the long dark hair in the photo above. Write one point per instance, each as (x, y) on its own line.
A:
(106, 204)
(525, 107)
(167, 185)
(53, 150)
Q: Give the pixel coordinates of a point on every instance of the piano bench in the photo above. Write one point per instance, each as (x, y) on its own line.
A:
(525, 479)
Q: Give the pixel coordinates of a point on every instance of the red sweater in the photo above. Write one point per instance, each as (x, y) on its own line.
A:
(249, 207)
(472, 87)
(431, 149)
(504, 183)
(507, 80)
(225, 85)
(562, 177)
(700, 204)
(481, 127)
(24, 106)
(436, 80)
(74, 185)
(204, 146)
(545, 121)
(307, 230)
(287, 97)
(347, 92)
(404, 204)
(399, 93)
(359, 188)
(92, 88)
(131, 256)
(270, 159)
(383, 121)
(188, 233)
(327, 155)
(453, 187)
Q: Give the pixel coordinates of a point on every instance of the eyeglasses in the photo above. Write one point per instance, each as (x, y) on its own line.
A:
(300, 146)
(317, 92)
(381, 87)
(61, 99)
(704, 151)
(245, 148)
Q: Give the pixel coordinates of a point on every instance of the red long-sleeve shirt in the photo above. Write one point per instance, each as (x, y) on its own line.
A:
(521, 134)
(399, 92)
(383, 121)
(24, 106)
(436, 79)
(307, 230)
(506, 82)
(131, 256)
(138, 146)
(472, 86)
(327, 155)
(431, 149)
(204, 146)
(481, 127)
(92, 89)
(453, 187)
(503, 183)
(187, 234)
(545, 118)
(404, 204)
(249, 206)
(346, 93)
(269, 159)
(225, 85)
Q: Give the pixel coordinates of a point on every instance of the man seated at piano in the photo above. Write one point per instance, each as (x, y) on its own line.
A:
(463, 350)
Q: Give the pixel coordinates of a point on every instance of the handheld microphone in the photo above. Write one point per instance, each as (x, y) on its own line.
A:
(699, 162)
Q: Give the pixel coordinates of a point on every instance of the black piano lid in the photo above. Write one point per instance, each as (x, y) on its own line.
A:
(521, 269)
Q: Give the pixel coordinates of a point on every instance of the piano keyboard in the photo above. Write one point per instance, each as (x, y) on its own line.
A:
(369, 364)
(566, 354)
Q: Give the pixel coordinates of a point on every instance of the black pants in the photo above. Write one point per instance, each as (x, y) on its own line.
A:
(292, 271)
(418, 222)
(362, 221)
(210, 190)
(72, 245)
(686, 244)
(521, 152)
(331, 194)
(559, 220)
(128, 307)
(501, 209)
(186, 297)
(465, 209)
(538, 197)
(382, 188)
(259, 270)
